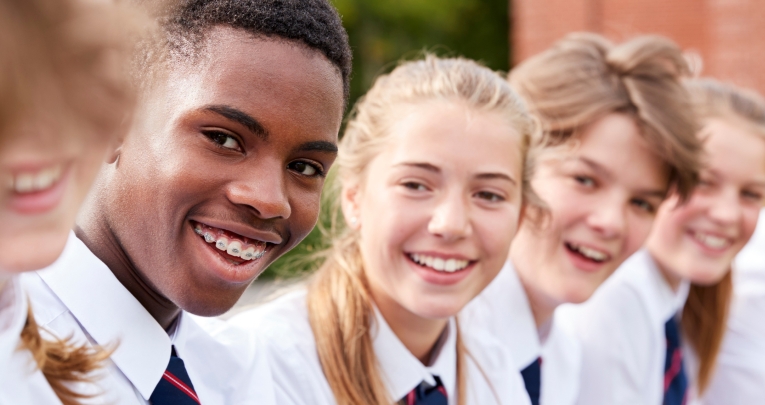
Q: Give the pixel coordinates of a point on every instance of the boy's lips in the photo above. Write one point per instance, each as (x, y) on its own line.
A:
(240, 260)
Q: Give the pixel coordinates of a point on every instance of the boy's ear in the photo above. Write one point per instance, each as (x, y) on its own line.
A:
(115, 147)
(349, 202)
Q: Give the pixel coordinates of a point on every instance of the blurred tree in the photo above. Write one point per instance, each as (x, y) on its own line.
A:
(381, 33)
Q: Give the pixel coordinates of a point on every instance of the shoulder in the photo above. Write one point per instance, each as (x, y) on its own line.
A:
(282, 329)
(493, 377)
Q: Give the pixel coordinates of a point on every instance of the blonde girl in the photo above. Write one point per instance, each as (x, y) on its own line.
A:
(669, 304)
(619, 134)
(63, 100)
(432, 175)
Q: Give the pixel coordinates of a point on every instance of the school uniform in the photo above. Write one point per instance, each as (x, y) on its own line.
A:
(547, 358)
(21, 382)
(79, 296)
(631, 346)
(299, 378)
(739, 376)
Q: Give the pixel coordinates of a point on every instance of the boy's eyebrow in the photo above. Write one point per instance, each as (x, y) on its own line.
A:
(240, 117)
(318, 146)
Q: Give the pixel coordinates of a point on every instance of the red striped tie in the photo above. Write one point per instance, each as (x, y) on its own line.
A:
(175, 387)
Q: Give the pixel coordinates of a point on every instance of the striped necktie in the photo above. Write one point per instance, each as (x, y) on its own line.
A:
(675, 382)
(532, 378)
(175, 387)
(425, 394)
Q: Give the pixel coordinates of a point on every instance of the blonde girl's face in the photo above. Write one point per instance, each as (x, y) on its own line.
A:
(437, 209)
(699, 240)
(46, 168)
(602, 190)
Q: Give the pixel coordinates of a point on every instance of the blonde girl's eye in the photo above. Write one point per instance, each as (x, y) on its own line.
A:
(223, 140)
(489, 196)
(413, 185)
(752, 195)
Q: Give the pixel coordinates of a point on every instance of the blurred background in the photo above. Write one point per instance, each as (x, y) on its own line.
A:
(726, 38)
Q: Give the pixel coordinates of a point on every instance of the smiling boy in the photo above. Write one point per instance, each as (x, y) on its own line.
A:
(220, 174)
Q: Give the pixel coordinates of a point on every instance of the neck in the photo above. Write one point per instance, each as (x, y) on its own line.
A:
(419, 335)
(94, 230)
(669, 276)
(542, 306)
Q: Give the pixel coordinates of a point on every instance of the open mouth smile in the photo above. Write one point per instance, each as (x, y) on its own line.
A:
(235, 248)
(439, 264)
(588, 253)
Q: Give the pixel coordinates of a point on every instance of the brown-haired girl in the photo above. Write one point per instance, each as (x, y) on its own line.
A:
(653, 333)
(63, 100)
(432, 178)
(619, 134)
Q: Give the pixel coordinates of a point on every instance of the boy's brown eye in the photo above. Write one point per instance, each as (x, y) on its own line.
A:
(306, 169)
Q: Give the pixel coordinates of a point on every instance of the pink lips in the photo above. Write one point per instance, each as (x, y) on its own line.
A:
(435, 277)
(42, 201)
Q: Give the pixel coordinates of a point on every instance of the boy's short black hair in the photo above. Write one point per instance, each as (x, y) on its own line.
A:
(314, 23)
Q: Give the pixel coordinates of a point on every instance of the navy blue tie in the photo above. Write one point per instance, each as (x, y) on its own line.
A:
(425, 394)
(675, 381)
(532, 377)
(175, 387)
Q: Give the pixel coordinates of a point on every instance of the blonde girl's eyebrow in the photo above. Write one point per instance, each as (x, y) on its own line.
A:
(497, 176)
(420, 165)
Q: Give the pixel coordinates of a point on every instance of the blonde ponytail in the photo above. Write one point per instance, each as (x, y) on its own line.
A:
(61, 362)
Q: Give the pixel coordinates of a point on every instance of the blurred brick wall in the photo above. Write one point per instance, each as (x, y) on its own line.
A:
(728, 34)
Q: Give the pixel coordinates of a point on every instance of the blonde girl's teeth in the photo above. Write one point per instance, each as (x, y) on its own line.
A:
(234, 248)
(451, 265)
(221, 243)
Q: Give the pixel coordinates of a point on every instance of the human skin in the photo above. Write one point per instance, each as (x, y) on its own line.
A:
(698, 240)
(60, 156)
(428, 194)
(602, 191)
(239, 140)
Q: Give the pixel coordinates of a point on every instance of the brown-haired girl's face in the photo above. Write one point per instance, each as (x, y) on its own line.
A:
(698, 240)
(47, 168)
(437, 209)
(602, 190)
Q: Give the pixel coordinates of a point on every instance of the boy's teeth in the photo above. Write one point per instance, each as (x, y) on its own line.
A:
(234, 249)
(221, 243)
(439, 264)
(251, 250)
(248, 254)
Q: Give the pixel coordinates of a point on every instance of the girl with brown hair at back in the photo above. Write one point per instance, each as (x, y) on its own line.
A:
(619, 135)
(63, 97)
(653, 333)
(432, 177)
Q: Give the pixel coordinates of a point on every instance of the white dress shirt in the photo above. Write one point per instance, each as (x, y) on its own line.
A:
(503, 311)
(79, 296)
(621, 330)
(299, 379)
(21, 382)
(739, 376)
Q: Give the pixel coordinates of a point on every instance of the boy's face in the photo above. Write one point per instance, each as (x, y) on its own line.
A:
(229, 153)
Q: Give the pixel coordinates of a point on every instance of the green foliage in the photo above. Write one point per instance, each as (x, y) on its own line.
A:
(381, 33)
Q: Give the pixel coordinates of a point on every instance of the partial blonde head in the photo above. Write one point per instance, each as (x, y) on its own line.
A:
(584, 77)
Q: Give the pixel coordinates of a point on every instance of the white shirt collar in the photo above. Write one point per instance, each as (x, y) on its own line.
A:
(403, 371)
(13, 316)
(662, 302)
(103, 306)
(509, 310)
